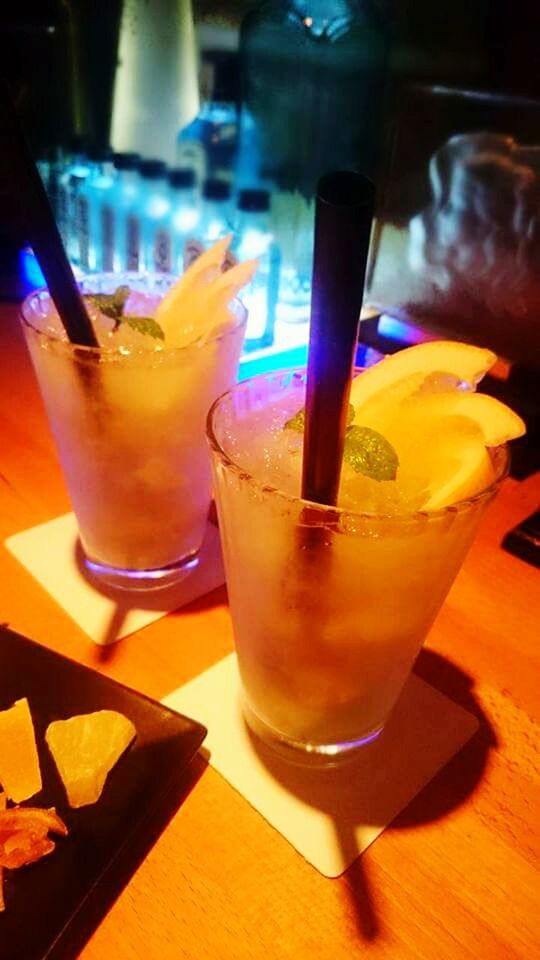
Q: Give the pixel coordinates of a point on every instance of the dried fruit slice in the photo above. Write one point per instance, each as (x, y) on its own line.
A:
(24, 835)
(85, 748)
(36, 820)
(22, 848)
(20, 775)
(2, 901)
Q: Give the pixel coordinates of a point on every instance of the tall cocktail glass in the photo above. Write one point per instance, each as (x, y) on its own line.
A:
(128, 420)
(330, 606)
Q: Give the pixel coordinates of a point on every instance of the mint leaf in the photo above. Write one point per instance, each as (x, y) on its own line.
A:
(120, 297)
(110, 304)
(298, 422)
(105, 303)
(368, 452)
(145, 325)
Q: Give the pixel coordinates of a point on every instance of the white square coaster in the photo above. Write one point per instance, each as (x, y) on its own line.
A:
(330, 816)
(49, 553)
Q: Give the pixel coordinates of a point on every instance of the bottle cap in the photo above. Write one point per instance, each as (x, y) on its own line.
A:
(182, 177)
(254, 201)
(100, 154)
(126, 161)
(153, 169)
(77, 144)
(216, 190)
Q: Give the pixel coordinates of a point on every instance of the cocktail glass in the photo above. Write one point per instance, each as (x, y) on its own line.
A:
(330, 607)
(128, 421)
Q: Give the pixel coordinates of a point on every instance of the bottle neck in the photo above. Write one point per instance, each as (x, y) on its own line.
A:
(325, 19)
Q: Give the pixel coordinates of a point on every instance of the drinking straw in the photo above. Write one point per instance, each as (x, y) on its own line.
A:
(343, 216)
(40, 227)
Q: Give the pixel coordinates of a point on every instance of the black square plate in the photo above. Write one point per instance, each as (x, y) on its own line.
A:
(52, 906)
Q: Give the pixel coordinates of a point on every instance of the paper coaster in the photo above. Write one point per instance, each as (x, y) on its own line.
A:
(49, 552)
(330, 816)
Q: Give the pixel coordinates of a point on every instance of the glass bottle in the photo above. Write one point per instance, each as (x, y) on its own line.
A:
(254, 238)
(155, 215)
(125, 200)
(313, 76)
(184, 213)
(209, 142)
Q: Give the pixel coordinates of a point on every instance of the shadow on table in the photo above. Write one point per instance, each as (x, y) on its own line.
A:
(332, 790)
(168, 599)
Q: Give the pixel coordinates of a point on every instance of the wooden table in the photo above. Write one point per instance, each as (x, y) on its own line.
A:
(453, 877)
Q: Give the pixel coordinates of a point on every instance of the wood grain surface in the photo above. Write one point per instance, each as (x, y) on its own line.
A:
(453, 878)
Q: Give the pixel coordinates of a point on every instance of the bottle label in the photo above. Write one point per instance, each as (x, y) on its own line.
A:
(162, 251)
(107, 237)
(133, 242)
(192, 250)
(82, 230)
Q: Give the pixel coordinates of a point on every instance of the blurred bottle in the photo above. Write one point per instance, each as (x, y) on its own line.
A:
(253, 238)
(216, 214)
(209, 142)
(125, 199)
(293, 221)
(155, 208)
(184, 213)
(155, 87)
(248, 173)
(103, 218)
(95, 219)
(81, 169)
(313, 78)
(75, 169)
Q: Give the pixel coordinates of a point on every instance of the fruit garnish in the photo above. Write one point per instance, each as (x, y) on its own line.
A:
(20, 775)
(112, 305)
(24, 835)
(85, 749)
(461, 360)
(498, 423)
(368, 452)
(454, 461)
(197, 307)
(422, 399)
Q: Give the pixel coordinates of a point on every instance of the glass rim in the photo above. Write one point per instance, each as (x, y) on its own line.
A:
(451, 509)
(83, 351)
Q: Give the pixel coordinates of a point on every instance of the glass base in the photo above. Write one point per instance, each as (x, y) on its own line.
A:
(144, 580)
(303, 752)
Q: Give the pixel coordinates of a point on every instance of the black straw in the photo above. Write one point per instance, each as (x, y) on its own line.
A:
(343, 216)
(39, 226)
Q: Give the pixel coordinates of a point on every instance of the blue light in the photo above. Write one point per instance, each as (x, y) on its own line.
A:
(392, 328)
(30, 270)
(272, 360)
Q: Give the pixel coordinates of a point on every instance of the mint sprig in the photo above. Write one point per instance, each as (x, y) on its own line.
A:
(112, 305)
(145, 325)
(365, 450)
(298, 422)
(368, 452)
